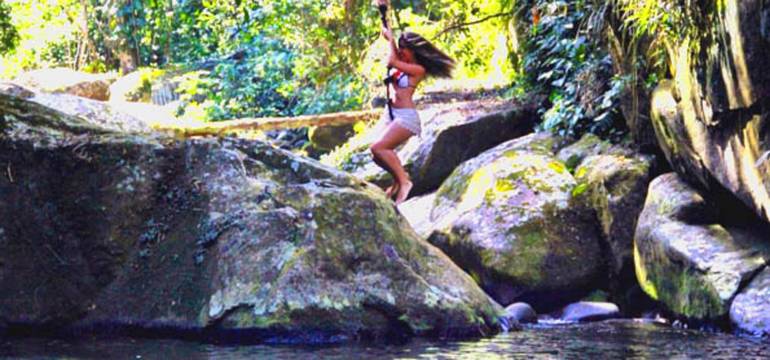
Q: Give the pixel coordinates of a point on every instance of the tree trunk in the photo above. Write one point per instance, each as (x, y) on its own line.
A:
(275, 123)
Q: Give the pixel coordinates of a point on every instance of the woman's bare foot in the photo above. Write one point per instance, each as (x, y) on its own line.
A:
(392, 190)
(403, 192)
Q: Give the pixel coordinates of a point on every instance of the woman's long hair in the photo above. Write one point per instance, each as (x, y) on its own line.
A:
(435, 62)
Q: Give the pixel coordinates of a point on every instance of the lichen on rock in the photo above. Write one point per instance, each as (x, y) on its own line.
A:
(685, 258)
(508, 217)
(211, 237)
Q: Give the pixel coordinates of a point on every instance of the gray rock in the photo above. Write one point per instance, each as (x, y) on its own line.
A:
(685, 258)
(62, 80)
(590, 311)
(417, 211)
(521, 312)
(714, 129)
(119, 117)
(750, 311)
(109, 230)
(18, 91)
(615, 186)
(509, 218)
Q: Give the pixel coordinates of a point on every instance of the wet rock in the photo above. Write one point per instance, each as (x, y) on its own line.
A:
(509, 218)
(590, 311)
(521, 312)
(685, 258)
(108, 231)
(450, 136)
(750, 311)
(61, 80)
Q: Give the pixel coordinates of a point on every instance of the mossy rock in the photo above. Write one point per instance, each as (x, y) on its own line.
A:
(685, 259)
(219, 238)
(616, 186)
(509, 218)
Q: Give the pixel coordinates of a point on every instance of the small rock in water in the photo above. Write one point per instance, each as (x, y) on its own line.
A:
(522, 313)
(508, 324)
(590, 311)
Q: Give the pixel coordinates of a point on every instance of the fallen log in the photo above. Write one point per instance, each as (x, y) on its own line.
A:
(270, 123)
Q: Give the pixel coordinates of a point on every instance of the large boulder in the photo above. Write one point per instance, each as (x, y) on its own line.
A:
(62, 80)
(101, 230)
(615, 183)
(686, 259)
(450, 135)
(711, 120)
(509, 218)
(616, 186)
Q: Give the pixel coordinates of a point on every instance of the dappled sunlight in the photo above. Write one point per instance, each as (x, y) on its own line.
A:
(36, 36)
(753, 175)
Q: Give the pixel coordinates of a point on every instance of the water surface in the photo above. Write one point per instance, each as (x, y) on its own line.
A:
(626, 339)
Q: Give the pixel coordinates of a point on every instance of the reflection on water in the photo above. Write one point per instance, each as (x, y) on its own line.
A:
(612, 339)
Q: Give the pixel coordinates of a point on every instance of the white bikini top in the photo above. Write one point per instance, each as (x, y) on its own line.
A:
(401, 79)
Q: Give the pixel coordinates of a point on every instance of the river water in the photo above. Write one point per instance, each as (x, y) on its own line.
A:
(625, 339)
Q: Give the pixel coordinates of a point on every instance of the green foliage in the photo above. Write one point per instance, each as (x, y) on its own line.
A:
(662, 22)
(261, 57)
(46, 34)
(566, 60)
(9, 36)
(263, 81)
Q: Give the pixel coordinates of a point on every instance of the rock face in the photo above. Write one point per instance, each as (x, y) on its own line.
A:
(103, 230)
(91, 86)
(687, 260)
(712, 120)
(451, 136)
(510, 219)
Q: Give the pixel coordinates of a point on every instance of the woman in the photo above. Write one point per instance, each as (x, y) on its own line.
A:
(413, 60)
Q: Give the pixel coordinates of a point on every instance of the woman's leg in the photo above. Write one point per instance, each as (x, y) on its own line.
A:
(391, 190)
(383, 152)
